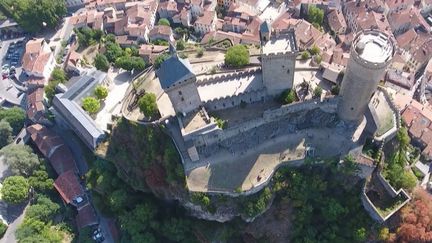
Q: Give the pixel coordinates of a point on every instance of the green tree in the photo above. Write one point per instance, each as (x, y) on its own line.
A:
(101, 62)
(101, 92)
(130, 63)
(164, 21)
(44, 209)
(160, 59)
(59, 75)
(15, 116)
(15, 189)
(5, 133)
(318, 91)
(180, 45)
(91, 105)
(40, 180)
(33, 230)
(147, 105)
(113, 51)
(36, 15)
(237, 56)
(118, 200)
(305, 55)
(20, 159)
(315, 15)
(318, 59)
(384, 234)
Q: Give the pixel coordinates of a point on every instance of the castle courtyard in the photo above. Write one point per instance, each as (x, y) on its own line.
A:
(255, 166)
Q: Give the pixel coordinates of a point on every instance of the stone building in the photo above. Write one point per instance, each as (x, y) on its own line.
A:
(179, 83)
(371, 53)
(278, 54)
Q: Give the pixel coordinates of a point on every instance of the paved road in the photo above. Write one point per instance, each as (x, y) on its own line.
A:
(18, 218)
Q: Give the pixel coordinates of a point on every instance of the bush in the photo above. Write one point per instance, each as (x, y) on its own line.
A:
(200, 52)
(147, 105)
(15, 189)
(317, 91)
(288, 97)
(318, 59)
(164, 21)
(335, 90)
(180, 45)
(101, 92)
(5, 133)
(314, 50)
(305, 55)
(237, 56)
(130, 63)
(91, 105)
(101, 62)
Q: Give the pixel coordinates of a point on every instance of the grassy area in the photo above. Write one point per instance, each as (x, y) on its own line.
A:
(388, 206)
(388, 122)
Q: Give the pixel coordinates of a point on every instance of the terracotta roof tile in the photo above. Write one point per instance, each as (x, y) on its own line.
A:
(68, 185)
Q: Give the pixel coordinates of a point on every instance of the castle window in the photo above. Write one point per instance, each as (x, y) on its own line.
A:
(180, 93)
(288, 71)
(182, 99)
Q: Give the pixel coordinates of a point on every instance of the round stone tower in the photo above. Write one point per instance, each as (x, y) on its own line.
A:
(371, 52)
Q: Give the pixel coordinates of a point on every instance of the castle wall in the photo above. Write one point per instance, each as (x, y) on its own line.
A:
(228, 102)
(328, 105)
(184, 97)
(278, 72)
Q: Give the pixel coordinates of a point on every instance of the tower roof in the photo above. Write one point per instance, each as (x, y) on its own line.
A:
(265, 27)
(173, 70)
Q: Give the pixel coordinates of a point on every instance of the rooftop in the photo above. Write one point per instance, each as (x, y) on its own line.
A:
(280, 43)
(173, 70)
(374, 46)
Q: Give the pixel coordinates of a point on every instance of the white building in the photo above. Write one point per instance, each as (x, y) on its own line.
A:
(38, 60)
(206, 23)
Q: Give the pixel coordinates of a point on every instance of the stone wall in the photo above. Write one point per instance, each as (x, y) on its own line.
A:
(328, 106)
(184, 96)
(233, 101)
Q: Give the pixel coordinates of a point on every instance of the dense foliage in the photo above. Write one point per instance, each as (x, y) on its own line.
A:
(237, 56)
(317, 92)
(91, 105)
(35, 15)
(101, 62)
(395, 169)
(15, 116)
(129, 63)
(5, 133)
(87, 36)
(58, 76)
(416, 217)
(180, 45)
(315, 15)
(144, 152)
(20, 159)
(326, 202)
(3, 228)
(15, 189)
(147, 105)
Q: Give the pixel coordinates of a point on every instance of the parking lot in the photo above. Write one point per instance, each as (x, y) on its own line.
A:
(11, 89)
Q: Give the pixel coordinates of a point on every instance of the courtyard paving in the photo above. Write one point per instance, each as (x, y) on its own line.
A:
(226, 171)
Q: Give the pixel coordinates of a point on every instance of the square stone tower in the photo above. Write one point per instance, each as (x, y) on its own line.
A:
(179, 83)
(278, 55)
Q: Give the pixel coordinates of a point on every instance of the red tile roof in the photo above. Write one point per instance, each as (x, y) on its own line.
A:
(86, 217)
(418, 126)
(68, 185)
(62, 160)
(409, 114)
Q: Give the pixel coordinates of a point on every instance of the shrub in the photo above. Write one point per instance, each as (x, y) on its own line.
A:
(101, 62)
(237, 56)
(288, 97)
(91, 105)
(200, 52)
(305, 55)
(101, 92)
(164, 21)
(317, 91)
(180, 45)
